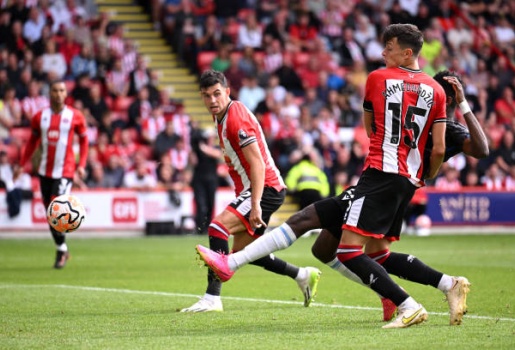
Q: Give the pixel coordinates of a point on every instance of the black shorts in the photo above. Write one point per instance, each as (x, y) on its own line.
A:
(51, 188)
(331, 211)
(379, 204)
(270, 202)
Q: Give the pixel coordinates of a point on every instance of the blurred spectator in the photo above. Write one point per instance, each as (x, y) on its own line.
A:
(251, 93)
(225, 9)
(84, 62)
(509, 183)
(305, 180)
(365, 30)
(81, 90)
(207, 36)
(18, 11)
(139, 178)
(289, 78)
(69, 47)
(139, 77)
(16, 183)
(179, 155)
(171, 10)
(302, 33)
(504, 32)
(33, 102)
(5, 26)
(140, 109)
(399, 14)
(279, 93)
(332, 22)
(97, 178)
(459, 34)
(54, 61)
(108, 125)
(222, 60)
(153, 125)
(16, 43)
(278, 29)
(449, 179)
(114, 171)
(168, 180)
(182, 124)
(313, 102)
(327, 124)
(10, 111)
(504, 107)
(273, 58)
(505, 157)
(165, 140)
(96, 103)
(250, 33)
(33, 27)
(234, 76)
(82, 31)
(13, 67)
(493, 179)
(349, 50)
(117, 81)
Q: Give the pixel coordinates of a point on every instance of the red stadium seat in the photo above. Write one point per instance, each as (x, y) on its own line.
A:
(121, 104)
(300, 59)
(204, 60)
(13, 152)
(20, 134)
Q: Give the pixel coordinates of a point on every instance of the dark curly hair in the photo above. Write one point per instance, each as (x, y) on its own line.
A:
(449, 90)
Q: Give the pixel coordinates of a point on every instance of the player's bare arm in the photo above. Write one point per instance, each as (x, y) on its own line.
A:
(257, 180)
(438, 151)
(477, 145)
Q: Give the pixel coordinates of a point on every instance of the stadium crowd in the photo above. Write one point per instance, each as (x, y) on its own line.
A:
(300, 66)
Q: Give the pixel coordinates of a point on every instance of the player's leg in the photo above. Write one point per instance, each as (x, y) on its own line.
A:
(222, 226)
(51, 188)
(380, 200)
(327, 213)
(258, 251)
(410, 268)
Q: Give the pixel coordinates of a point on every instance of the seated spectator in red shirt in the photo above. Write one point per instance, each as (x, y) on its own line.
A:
(302, 34)
(505, 107)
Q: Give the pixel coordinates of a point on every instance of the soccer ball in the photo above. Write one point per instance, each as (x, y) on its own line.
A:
(423, 225)
(66, 213)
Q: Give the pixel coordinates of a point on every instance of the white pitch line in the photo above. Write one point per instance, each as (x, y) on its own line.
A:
(270, 301)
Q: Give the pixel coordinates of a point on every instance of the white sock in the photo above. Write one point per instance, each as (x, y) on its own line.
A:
(279, 238)
(302, 275)
(211, 297)
(337, 266)
(445, 283)
(409, 303)
(62, 248)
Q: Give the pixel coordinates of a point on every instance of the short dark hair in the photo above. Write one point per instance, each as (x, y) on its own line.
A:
(56, 81)
(408, 36)
(447, 87)
(212, 77)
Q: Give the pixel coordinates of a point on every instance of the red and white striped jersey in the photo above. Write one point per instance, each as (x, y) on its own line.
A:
(153, 126)
(56, 132)
(405, 103)
(237, 129)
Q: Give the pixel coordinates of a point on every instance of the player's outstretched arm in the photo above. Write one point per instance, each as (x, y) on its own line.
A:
(477, 144)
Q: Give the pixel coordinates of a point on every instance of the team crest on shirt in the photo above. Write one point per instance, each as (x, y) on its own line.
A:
(242, 135)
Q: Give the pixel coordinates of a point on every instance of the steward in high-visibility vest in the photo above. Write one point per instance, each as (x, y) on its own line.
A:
(307, 182)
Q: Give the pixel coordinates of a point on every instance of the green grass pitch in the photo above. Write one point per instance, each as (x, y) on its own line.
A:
(124, 293)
